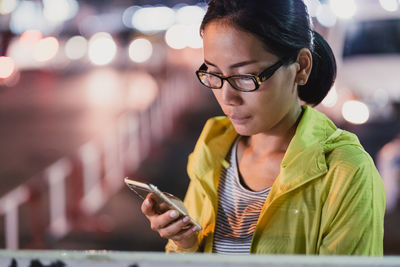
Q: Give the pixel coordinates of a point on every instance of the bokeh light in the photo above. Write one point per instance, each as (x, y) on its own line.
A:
(193, 38)
(7, 6)
(175, 37)
(190, 15)
(127, 16)
(355, 112)
(343, 8)
(23, 49)
(7, 67)
(13, 79)
(102, 48)
(325, 15)
(27, 16)
(389, 5)
(31, 37)
(180, 36)
(331, 99)
(58, 11)
(46, 49)
(76, 47)
(140, 50)
(153, 19)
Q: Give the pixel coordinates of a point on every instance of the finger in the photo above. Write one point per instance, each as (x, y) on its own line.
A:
(186, 234)
(159, 206)
(163, 207)
(160, 221)
(148, 206)
(181, 228)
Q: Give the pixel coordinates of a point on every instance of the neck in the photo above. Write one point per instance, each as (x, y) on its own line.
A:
(277, 140)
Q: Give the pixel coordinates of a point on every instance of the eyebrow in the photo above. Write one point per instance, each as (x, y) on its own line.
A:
(236, 65)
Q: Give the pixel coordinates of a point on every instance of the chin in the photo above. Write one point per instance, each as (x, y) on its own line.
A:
(243, 130)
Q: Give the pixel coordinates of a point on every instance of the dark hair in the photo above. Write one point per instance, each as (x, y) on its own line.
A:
(284, 26)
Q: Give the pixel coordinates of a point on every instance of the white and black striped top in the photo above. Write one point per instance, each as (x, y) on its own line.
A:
(238, 211)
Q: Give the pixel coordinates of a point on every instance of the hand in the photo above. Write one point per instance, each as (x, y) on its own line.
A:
(168, 224)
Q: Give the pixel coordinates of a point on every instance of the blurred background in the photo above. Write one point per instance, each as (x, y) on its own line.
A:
(92, 91)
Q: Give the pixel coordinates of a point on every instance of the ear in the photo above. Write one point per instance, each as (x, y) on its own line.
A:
(304, 61)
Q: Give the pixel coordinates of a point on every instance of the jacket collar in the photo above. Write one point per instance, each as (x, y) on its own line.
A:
(303, 161)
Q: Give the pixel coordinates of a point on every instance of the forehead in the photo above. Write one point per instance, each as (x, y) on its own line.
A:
(224, 42)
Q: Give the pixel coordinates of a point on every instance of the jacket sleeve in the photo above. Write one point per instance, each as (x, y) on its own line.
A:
(216, 131)
(352, 217)
(193, 204)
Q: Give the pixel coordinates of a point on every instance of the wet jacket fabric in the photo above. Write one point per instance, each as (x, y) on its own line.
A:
(327, 199)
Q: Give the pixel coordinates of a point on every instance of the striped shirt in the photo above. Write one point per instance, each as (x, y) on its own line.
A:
(238, 210)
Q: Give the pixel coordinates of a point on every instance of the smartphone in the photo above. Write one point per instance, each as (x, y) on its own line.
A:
(142, 189)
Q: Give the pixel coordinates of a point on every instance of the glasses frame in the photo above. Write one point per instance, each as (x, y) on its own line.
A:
(257, 79)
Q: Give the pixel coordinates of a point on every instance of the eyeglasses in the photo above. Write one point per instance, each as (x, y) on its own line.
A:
(244, 83)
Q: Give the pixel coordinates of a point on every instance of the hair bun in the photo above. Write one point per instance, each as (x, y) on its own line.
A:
(323, 73)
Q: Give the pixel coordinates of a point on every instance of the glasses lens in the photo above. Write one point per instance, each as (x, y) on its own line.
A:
(243, 83)
(210, 80)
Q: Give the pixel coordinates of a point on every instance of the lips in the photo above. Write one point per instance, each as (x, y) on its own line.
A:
(235, 119)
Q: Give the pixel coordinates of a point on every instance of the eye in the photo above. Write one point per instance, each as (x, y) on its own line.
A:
(214, 70)
(253, 73)
(248, 72)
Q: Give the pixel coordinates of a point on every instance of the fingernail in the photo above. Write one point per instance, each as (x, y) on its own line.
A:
(147, 202)
(173, 214)
(186, 219)
(195, 229)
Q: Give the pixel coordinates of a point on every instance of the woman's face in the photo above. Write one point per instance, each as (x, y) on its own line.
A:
(230, 51)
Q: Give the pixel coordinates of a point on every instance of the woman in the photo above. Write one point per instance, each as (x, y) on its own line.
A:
(273, 176)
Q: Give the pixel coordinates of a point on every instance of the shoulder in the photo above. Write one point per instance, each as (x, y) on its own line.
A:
(346, 150)
(213, 144)
(352, 182)
(348, 162)
(215, 127)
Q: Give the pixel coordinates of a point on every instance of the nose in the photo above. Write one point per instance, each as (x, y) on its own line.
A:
(230, 96)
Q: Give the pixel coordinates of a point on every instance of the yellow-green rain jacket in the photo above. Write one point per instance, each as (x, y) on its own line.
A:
(327, 199)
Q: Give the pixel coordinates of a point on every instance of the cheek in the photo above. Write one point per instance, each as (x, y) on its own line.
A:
(272, 99)
(288, 80)
(268, 95)
(281, 90)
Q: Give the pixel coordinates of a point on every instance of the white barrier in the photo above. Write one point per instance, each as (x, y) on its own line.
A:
(93, 198)
(132, 259)
(56, 175)
(9, 206)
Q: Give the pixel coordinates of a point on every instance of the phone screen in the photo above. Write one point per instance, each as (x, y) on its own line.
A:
(140, 190)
